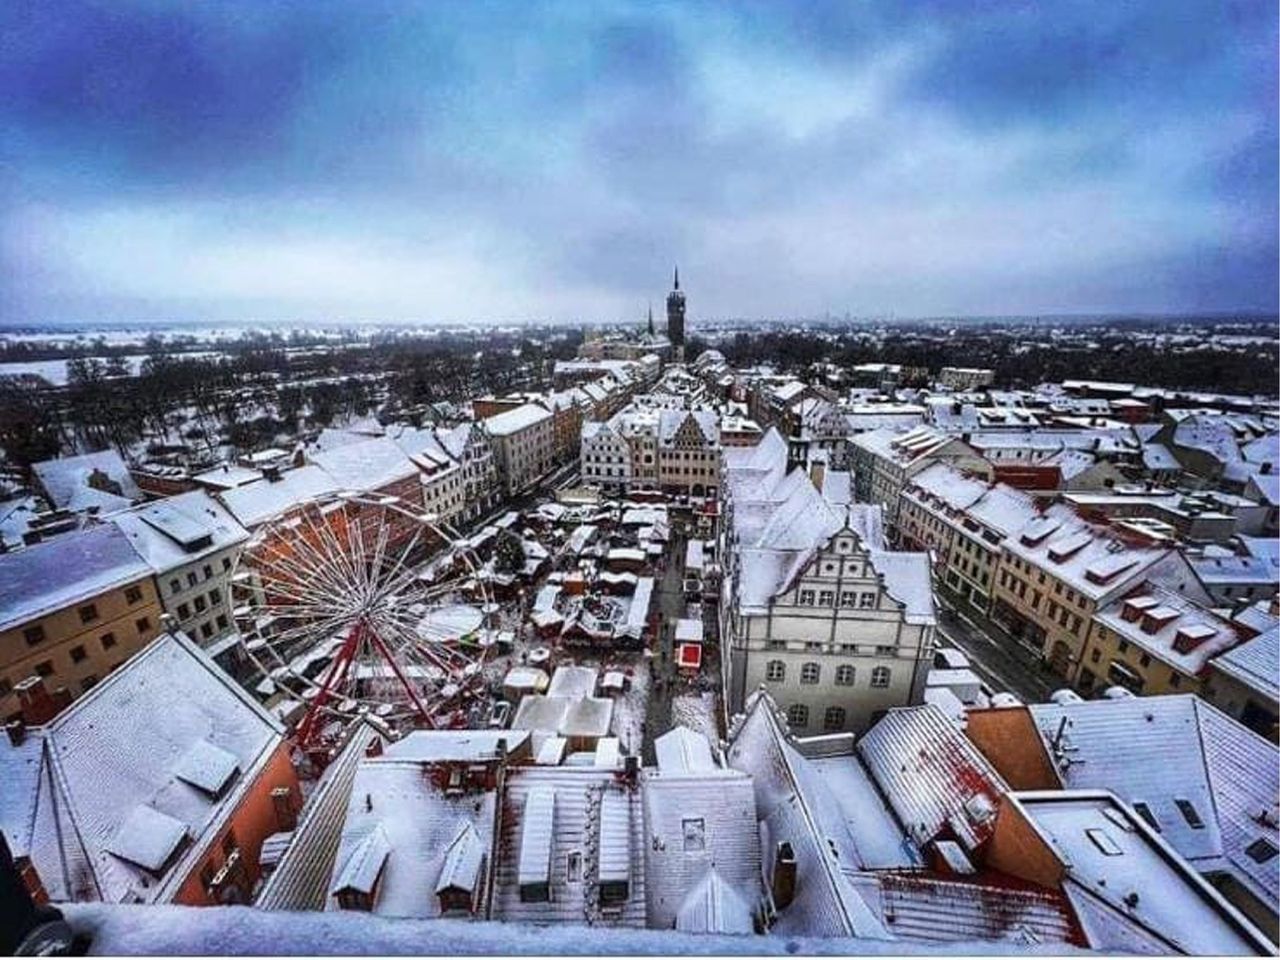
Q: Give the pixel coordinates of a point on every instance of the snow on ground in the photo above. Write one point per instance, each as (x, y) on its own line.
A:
(239, 931)
(697, 712)
(630, 708)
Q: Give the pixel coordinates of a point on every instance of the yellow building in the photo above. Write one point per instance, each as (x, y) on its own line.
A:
(1059, 570)
(72, 610)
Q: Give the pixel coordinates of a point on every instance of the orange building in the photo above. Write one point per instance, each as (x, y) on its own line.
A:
(158, 786)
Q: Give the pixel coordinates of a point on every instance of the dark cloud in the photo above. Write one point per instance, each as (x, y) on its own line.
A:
(555, 158)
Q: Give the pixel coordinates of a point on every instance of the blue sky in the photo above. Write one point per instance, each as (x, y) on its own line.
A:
(386, 160)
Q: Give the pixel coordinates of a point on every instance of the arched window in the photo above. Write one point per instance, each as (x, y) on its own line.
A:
(844, 675)
(810, 673)
(880, 677)
(775, 671)
(833, 720)
(798, 715)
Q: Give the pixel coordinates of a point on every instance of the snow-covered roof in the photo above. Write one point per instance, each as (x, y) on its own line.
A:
(1110, 856)
(551, 813)
(933, 910)
(933, 777)
(129, 744)
(456, 746)
(179, 530)
(365, 465)
(52, 575)
(1184, 636)
(255, 503)
(300, 881)
(226, 476)
(681, 750)
(66, 482)
(515, 420)
(713, 906)
(1202, 777)
(1081, 555)
(696, 822)
(1255, 663)
(794, 805)
(397, 814)
(1235, 569)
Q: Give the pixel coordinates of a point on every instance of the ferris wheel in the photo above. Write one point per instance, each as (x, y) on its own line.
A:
(356, 604)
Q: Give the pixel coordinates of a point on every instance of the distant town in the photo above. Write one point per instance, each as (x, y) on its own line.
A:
(666, 636)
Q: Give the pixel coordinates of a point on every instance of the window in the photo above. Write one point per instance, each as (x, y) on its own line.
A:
(848, 598)
(1144, 660)
(1261, 850)
(826, 598)
(573, 866)
(1104, 842)
(133, 594)
(810, 672)
(844, 675)
(222, 621)
(5, 687)
(45, 668)
(200, 604)
(77, 654)
(108, 641)
(88, 613)
(798, 715)
(833, 719)
(175, 585)
(226, 563)
(33, 635)
(1175, 679)
(143, 624)
(866, 600)
(814, 645)
(1189, 813)
(206, 630)
(184, 611)
(695, 833)
(192, 579)
(883, 651)
(1144, 811)
(1123, 647)
(806, 598)
(776, 645)
(880, 677)
(215, 595)
(208, 572)
(775, 671)
(1095, 655)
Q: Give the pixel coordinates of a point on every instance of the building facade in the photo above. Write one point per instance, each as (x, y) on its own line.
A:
(524, 443)
(74, 609)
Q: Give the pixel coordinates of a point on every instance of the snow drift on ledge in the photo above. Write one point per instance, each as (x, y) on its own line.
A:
(239, 931)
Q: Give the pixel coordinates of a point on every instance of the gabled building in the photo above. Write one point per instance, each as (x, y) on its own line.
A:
(689, 452)
(838, 628)
(191, 543)
(97, 483)
(1244, 682)
(606, 456)
(882, 461)
(1199, 781)
(72, 610)
(158, 786)
(1059, 570)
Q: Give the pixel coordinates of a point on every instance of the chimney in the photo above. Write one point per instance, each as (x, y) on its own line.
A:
(374, 749)
(282, 803)
(784, 875)
(271, 473)
(34, 701)
(17, 731)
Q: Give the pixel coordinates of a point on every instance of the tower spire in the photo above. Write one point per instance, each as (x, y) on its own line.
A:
(651, 318)
(677, 276)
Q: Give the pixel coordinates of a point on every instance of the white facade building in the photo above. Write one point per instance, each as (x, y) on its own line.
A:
(524, 441)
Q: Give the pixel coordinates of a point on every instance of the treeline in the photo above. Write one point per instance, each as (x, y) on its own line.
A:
(261, 393)
(1111, 356)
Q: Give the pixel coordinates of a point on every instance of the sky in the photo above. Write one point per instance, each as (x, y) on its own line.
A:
(381, 160)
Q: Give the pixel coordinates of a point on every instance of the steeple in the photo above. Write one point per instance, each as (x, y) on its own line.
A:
(677, 286)
(651, 318)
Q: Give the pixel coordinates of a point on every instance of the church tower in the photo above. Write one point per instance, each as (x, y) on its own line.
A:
(675, 319)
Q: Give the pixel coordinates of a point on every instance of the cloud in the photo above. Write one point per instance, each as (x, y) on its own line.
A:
(494, 161)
